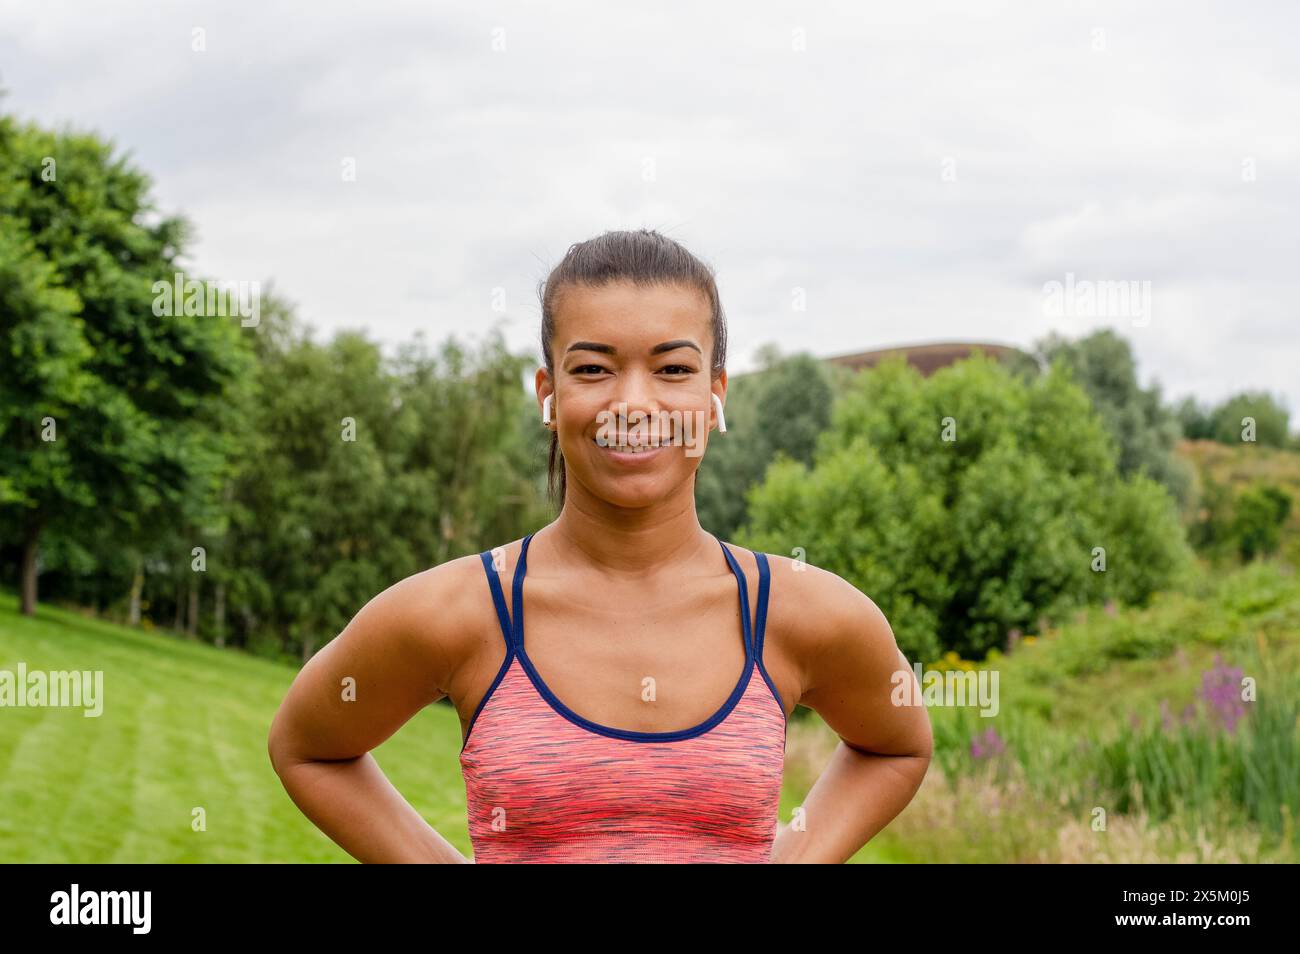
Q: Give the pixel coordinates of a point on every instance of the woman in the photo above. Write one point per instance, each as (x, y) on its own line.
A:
(615, 728)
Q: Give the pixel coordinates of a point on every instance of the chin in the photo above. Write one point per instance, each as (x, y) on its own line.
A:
(620, 494)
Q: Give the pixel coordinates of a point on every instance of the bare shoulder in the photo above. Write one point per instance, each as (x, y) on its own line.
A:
(847, 659)
(438, 608)
(818, 617)
(398, 654)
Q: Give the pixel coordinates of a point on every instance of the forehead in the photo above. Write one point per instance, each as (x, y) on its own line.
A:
(630, 316)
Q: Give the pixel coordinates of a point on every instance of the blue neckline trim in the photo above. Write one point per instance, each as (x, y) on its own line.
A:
(517, 649)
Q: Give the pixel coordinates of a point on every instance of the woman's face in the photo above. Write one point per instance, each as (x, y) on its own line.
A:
(644, 353)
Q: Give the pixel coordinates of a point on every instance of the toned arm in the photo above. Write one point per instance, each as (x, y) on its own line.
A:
(847, 659)
(396, 656)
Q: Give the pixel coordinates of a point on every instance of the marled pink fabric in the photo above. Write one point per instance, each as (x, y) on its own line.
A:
(540, 788)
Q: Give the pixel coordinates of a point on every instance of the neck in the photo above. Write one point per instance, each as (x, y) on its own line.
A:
(629, 542)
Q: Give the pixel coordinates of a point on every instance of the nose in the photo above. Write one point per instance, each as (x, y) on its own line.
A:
(634, 405)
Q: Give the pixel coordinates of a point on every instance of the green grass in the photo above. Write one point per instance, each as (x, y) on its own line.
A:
(1080, 718)
(184, 726)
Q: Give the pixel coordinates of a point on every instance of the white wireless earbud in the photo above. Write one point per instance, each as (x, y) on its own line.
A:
(546, 409)
(722, 421)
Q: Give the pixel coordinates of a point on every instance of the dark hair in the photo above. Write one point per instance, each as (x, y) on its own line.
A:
(643, 257)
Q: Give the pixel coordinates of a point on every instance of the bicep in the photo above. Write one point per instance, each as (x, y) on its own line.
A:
(368, 681)
(855, 675)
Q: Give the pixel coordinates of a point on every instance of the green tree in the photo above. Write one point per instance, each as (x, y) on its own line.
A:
(44, 352)
(970, 503)
(104, 402)
(1145, 430)
(1257, 523)
(1231, 420)
(778, 410)
(356, 469)
(1195, 420)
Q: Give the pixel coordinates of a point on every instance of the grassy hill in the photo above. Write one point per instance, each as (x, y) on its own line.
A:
(184, 725)
(1244, 464)
(1237, 467)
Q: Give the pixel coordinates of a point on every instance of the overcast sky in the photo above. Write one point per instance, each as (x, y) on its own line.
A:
(921, 172)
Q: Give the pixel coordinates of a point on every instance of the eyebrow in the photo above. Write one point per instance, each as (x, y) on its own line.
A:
(610, 349)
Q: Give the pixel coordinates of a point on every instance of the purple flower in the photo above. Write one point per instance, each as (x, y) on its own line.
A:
(1166, 719)
(1221, 692)
(987, 744)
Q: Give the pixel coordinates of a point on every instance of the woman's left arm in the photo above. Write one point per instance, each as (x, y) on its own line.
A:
(853, 676)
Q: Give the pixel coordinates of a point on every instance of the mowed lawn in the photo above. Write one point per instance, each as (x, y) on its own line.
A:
(183, 726)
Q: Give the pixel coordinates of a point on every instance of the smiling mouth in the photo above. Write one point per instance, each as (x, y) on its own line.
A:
(646, 448)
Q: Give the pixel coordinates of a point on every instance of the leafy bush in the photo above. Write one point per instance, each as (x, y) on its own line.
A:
(1226, 422)
(1145, 430)
(780, 409)
(1257, 526)
(970, 503)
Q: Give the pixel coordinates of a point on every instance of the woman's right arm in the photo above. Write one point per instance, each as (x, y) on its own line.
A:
(394, 658)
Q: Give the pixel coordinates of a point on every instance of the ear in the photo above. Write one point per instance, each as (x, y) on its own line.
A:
(717, 411)
(545, 396)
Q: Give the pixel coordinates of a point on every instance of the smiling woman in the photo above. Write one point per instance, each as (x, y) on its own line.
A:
(627, 723)
(632, 281)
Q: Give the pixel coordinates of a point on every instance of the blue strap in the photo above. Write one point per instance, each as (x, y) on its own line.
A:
(517, 636)
(764, 582)
(742, 585)
(512, 630)
(497, 596)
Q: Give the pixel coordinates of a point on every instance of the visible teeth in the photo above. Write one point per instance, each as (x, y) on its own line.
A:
(631, 448)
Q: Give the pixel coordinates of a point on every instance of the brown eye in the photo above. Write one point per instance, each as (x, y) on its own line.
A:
(587, 369)
(681, 368)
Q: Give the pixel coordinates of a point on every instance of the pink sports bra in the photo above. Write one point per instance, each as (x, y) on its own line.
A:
(545, 785)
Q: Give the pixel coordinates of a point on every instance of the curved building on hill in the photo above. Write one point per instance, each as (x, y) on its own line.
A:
(930, 357)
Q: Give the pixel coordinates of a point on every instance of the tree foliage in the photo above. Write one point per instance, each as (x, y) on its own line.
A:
(970, 503)
(106, 409)
(1249, 416)
(781, 409)
(1144, 428)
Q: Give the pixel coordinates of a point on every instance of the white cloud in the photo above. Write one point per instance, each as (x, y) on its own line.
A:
(1114, 155)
